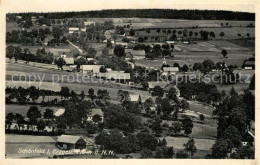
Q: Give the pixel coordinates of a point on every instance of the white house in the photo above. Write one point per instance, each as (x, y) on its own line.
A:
(86, 23)
(73, 29)
(170, 70)
(90, 69)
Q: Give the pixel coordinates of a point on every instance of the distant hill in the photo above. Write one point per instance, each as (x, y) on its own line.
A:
(150, 13)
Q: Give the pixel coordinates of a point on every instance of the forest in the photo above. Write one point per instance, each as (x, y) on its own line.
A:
(148, 13)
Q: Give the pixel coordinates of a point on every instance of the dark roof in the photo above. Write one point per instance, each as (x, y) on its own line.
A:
(69, 139)
(250, 63)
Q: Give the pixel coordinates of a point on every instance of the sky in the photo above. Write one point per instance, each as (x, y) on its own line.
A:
(83, 5)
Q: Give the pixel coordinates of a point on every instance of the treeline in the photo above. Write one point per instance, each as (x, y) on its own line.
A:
(149, 13)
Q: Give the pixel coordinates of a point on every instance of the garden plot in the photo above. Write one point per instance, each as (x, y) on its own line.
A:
(199, 47)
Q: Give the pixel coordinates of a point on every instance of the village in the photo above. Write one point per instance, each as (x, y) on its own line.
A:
(129, 87)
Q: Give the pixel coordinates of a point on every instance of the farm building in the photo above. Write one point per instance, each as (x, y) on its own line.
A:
(68, 142)
(83, 29)
(59, 112)
(73, 29)
(90, 69)
(249, 65)
(95, 112)
(152, 84)
(135, 98)
(170, 42)
(170, 70)
(69, 60)
(134, 54)
(115, 75)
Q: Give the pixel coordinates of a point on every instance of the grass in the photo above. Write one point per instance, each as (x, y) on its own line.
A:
(22, 109)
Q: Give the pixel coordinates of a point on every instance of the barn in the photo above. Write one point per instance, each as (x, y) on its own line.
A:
(68, 142)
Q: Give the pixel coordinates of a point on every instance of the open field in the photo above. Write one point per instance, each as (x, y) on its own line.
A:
(22, 109)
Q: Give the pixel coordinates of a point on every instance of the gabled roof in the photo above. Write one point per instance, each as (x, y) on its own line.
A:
(96, 112)
(59, 112)
(133, 97)
(94, 68)
(69, 139)
(69, 60)
(152, 84)
(117, 75)
(170, 69)
(73, 29)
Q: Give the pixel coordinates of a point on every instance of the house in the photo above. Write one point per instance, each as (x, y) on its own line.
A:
(249, 65)
(95, 112)
(124, 44)
(170, 70)
(90, 69)
(152, 84)
(83, 29)
(68, 142)
(135, 98)
(86, 23)
(73, 29)
(69, 60)
(115, 76)
(134, 54)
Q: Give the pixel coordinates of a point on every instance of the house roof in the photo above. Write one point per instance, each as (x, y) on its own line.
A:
(117, 75)
(69, 60)
(96, 112)
(94, 68)
(69, 139)
(135, 52)
(152, 84)
(133, 97)
(73, 29)
(59, 112)
(170, 69)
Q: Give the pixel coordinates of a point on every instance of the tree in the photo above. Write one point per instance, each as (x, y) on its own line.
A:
(40, 125)
(202, 117)
(132, 32)
(140, 39)
(196, 34)
(156, 126)
(146, 154)
(232, 136)
(82, 95)
(91, 52)
(222, 34)
(190, 34)
(158, 91)
(197, 66)
(33, 93)
(176, 128)
(220, 149)
(252, 83)
(57, 32)
(185, 68)
(60, 63)
(164, 152)
(91, 93)
(119, 51)
(48, 114)
(181, 154)
(33, 114)
(224, 53)
(65, 92)
(248, 35)
(190, 147)
(147, 141)
(187, 125)
(84, 108)
(80, 61)
(212, 35)
(97, 118)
